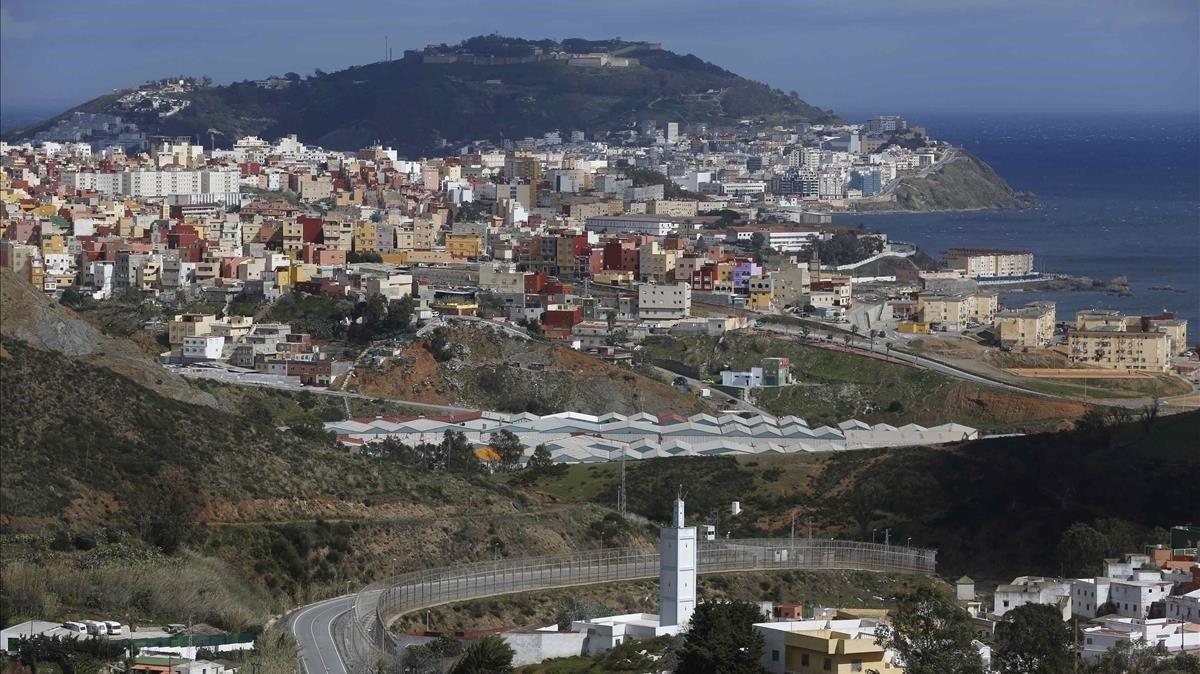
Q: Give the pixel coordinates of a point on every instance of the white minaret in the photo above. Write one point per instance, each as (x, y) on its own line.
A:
(677, 571)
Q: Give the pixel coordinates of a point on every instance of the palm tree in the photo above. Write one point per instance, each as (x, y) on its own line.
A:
(489, 655)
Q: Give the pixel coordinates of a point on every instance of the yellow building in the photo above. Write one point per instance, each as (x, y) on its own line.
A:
(956, 312)
(189, 325)
(53, 243)
(1176, 330)
(762, 293)
(913, 327)
(365, 236)
(1121, 350)
(1028, 326)
(1099, 320)
(614, 277)
(821, 646)
(462, 246)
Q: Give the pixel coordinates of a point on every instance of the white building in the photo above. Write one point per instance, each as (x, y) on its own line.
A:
(1185, 607)
(1088, 595)
(202, 347)
(664, 302)
(1169, 635)
(1132, 598)
(655, 225)
(1033, 590)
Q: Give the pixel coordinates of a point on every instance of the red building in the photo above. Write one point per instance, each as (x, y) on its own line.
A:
(563, 319)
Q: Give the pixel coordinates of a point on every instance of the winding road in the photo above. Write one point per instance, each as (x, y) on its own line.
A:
(312, 627)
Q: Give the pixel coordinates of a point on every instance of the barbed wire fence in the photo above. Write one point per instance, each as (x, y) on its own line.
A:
(366, 640)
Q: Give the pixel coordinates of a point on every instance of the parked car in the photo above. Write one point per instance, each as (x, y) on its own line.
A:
(75, 629)
(114, 627)
(95, 627)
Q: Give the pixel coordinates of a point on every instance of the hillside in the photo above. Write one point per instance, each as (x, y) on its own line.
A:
(415, 106)
(962, 183)
(477, 366)
(832, 386)
(117, 498)
(29, 315)
(993, 508)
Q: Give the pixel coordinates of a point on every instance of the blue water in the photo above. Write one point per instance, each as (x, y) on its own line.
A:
(1117, 196)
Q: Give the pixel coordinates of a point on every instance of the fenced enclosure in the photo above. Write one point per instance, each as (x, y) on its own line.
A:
(366, 637)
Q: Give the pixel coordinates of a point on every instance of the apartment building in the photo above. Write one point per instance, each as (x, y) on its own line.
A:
(956, 312)
(1121, 350)
(655, 225)
(664, 302)
(820, 646)
(990, 263)
(1099, 320)
(189, 325)
(1029, 326)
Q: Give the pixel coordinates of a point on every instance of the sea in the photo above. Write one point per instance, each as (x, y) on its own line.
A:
(1116, 196)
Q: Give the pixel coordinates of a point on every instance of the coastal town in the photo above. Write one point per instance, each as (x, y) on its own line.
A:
(596, 244)
(598, 373)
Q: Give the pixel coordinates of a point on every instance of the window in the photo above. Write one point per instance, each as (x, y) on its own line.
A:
(774, 656)
(804, 659)
(828, 664)
(1005, 603)
(856, 665)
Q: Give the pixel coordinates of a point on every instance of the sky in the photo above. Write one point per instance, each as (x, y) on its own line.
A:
(858, 58)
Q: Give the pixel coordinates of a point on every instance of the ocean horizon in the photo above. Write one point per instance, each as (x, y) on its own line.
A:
(1117, 195)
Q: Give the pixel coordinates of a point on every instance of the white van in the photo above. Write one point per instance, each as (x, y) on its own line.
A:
(114, 627)
(95, 627)
(75, 629)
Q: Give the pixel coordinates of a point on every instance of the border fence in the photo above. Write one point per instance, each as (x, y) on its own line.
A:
(366, 637)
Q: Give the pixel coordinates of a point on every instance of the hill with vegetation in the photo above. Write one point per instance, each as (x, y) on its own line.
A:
(832, 386)
(1054, 503)
(475, 365)
(416, 106)
(962, 183)
(117, 499)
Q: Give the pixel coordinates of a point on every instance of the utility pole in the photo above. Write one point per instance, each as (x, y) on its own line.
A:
(887, 536)
(621, 491)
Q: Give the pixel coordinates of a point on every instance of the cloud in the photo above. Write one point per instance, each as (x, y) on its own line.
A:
(12, 28)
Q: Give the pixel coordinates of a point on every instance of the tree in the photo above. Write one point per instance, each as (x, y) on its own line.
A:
(1148, 415)
(757, 241)
(164, 509)
(460, 456)
(510, 449)
(722, 639)
(541, 458)
(1127, 657)
(569, 609)
(489, 655)
(1081, 549)
(931, 634)
(1033, 639)
(610, 319)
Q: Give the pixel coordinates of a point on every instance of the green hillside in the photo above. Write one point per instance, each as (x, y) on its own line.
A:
(114, 497)
(414, 106)
(993, 508)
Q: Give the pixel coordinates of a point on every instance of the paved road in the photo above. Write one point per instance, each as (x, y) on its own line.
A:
(341, 394)
(913, 359)
(312, 626)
